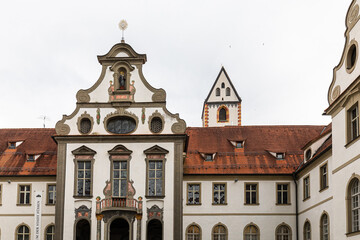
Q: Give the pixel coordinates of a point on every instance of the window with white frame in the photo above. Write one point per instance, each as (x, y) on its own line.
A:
(219, 232)
(355, 205)
(50, 232)
(307, 231)
(219, 193)
(193, 193)
(251, 192)
(283, 193)
(24, 194)
(51, 194)
(353, 117)
(306, 187)
(324, 227)
(283, 232)
(120, 178)
(323, 177)
(251, 232)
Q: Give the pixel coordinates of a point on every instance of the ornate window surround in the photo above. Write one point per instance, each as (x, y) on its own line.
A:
(84, 154)
(80, 118)
(155, 153)
(116, 67)
(156, 114)
(117, 154)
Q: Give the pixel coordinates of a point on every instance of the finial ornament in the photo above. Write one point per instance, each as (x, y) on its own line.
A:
(123, 25)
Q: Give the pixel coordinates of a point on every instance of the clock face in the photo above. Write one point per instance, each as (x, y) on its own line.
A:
(121, 125)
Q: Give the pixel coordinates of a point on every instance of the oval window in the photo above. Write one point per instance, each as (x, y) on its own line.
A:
(351, 57)
(121, 125)
(156, 125)
(85, 125)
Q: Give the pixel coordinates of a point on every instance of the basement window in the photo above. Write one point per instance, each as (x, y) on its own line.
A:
(280, 156)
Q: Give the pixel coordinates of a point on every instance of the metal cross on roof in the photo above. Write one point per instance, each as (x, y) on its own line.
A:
(123, 25)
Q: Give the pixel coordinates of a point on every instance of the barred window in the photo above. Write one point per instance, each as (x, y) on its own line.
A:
(156, 125)
(85, 125)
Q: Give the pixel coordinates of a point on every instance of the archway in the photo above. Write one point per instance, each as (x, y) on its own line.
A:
(154, 230)
(83, 230)
(119, 229)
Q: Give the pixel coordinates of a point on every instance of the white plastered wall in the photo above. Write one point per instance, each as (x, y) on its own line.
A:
(137, 173)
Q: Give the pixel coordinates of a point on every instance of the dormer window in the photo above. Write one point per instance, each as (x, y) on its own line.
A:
(280, 156)
(30, 158)
(208, 157)
(218, 92)
(308, 154)
(12, 145)
(222, 85)
(239, 144)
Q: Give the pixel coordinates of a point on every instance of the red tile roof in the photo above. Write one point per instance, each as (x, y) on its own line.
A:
(255, 157)
(36, 141)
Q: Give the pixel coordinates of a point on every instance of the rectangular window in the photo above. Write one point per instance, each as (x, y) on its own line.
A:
(353, 116)
(251, 192)
(155, 178)
(219, 193)
(12, 145)
(239, 144)
(1, 190)
(24, 194)
(306, 187)
(83, 178)
(31, 158)
(120, 177)
(51, 194)
(323, 177)
(193, 193)
(282, 193)
(280, 156)
(208, 157)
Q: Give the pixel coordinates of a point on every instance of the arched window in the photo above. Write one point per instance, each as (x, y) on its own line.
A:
(23, 233)
(222, 115)
(222, 85)
(324, 227)
(251, 232)
(50, 233)
(354, 206)
(82, 230)
(218, 92)
(219, 232)
(193, 232)
(307, 231)
(283, 232)
(227, 91)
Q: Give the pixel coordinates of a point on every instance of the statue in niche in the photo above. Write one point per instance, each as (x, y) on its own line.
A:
(122, 81)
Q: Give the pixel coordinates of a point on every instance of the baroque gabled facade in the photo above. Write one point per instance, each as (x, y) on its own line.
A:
(120, 157)
(121, 166)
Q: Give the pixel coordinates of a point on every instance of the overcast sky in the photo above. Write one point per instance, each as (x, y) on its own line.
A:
(279, 54)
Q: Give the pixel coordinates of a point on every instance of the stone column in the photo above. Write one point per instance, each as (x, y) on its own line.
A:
(98, 226)
(138, 228)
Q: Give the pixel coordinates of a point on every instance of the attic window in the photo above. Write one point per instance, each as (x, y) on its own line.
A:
(218, 92)
(208, 157)
(351, 57)
(239, 144)
(227, 91)
(308, 154)
(280, 156)
(222, 85)
(31, 158)
(12, 145)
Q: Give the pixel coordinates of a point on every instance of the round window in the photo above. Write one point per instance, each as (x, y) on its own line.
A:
(85, 125)
(121, 125)
(351, 57)
(156, 125)
(308, 154)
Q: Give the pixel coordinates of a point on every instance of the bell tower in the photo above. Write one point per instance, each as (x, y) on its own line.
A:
(222, 107)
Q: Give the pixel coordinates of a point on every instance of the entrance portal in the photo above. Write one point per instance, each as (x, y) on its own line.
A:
(83, 230)
(154, 230)
(119, 229)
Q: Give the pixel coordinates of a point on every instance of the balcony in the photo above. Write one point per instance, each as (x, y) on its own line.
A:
(122, 204)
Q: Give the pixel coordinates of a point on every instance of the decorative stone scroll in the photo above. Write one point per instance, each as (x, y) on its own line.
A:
(155, 213)
(82, 211)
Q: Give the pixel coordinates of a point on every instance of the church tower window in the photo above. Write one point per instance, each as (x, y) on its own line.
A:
(222, 85)
(227, 91)
(223, 115)
(218, 92)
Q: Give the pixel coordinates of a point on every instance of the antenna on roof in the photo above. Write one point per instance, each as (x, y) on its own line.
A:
(44, 118)
(123, 25)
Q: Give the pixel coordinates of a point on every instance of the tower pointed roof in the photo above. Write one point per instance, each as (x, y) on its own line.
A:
(222, 71)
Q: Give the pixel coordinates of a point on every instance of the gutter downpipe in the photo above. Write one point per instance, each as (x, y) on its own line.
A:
(296, 205)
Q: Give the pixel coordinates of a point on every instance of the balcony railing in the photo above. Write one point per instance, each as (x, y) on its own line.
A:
(125, 204)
